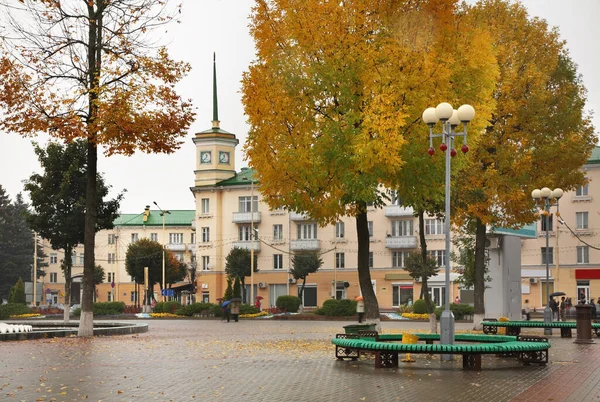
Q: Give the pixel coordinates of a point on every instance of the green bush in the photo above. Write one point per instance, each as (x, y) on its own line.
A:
(194, 308)
(17, 293)
(216, 310)
(169, 307)
(159, 307)
(459, 311)
(419, 307)
(108, 308)
(6, 310)
(337, 308)
(249, 309)
(290, 304)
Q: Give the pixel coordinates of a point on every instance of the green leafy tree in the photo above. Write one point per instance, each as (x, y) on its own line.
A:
(229, 290)
(148, 253)
(58, 202)
(304, 264)
(92, 70)
(17, 293)
(237, 289)
(16, 244)
(99, 275)
(421, 269)
(237, 264)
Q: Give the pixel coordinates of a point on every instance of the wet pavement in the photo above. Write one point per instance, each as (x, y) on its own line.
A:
(273, 360)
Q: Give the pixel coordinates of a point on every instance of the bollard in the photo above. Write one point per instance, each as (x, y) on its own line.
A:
(584, 323)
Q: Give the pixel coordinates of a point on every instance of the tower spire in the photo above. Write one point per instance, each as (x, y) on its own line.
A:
(215, 121)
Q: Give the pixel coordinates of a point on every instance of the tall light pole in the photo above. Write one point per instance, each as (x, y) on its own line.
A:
(544, 199)
(450, 119)
(162, 213)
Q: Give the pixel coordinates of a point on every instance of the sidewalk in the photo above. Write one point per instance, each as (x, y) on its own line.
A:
(268, 360)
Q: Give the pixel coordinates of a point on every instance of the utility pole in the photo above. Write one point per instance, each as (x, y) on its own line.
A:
(34, 269)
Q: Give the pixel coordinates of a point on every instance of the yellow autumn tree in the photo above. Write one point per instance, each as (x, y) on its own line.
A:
(336, 89)
(538, 134)
(87, 69)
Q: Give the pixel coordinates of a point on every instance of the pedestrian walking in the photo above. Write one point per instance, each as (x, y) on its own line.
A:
(225, 309)
(563, 309)
(526, 310)
(360, 308)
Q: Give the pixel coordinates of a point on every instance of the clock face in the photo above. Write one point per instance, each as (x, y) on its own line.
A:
(223, 157)
(205, 157)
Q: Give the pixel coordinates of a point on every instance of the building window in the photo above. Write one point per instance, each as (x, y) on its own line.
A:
(582, 220)
(401, 294)
(206, 263)
(193, 239)
(205, 206)
(111, 258)
(402, 228)
(244, 233)
(340, 260)
(205, 234)
(110, 277)
(307, 231)
(550, 223)
(134, 237)
(277, 232)
(175, 238)
(396, 200)
(53, 277)
(53, 258)
(247, 206)
(583, 255)
(134, 297)
(81, 259)
(277, 261)
(438, 256)
(549, 256)
(154, 237)
(398, 258)
(434, 227)
(178, 256)
(370, 225)
(339, 230)
(109, 296)
(582, 191)
(370, 259)
(111, 238)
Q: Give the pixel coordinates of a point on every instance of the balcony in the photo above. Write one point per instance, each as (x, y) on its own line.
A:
(246, 217)
(401, 242)
(305, 245)
(295, 216)
(176, 246)
(247, 245)
(397, 211)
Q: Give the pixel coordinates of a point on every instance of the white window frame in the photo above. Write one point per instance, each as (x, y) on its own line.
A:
(582, 220)
(307, 231)
(245, 203)
(205, 206)
(206, 263)
(370, 226)
(434, 227)
(111, 258)
(205, 234)
(371, 260)
(244, 233)
(278, 232)
(340, 260)
(403, 227)
(111, 238)
(543, 252)
(53, 258)
(154, 237)
(340, 228)
(53, 277)
(398, 258)
(439, 256)
(175, 238)
(134, 237)
(583, 255)
(277, 261)
(582, 191)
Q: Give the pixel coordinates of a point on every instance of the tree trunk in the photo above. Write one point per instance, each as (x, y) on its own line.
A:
(300, 293)
(67, 264)
(423, 244)
(364, 274)
(94, 55)
(479, 280)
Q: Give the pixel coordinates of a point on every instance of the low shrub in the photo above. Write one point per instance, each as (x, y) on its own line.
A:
(108, 308)
(290, 304)
(419, 307)
(405, 309)
(194, 308)
(6, 310)
(459, 311)
(248, 309)
(170, 307)
(337, 308)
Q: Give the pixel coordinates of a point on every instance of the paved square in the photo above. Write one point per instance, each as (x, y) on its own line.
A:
(274, 360)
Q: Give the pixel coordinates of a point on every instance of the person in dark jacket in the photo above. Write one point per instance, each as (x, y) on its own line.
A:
(554, 307)
(593, 311)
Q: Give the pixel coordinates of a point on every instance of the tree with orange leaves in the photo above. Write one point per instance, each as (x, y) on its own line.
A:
(85, 69)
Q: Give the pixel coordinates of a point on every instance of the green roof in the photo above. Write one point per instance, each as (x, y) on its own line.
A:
(595, 157)
(241, 178)
(175, 218)
(527, 231)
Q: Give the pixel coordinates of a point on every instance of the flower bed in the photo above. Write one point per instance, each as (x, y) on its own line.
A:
(413, 316)
(25, 316)
(261, 314)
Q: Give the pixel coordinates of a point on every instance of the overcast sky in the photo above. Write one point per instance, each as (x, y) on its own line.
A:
(221, 26)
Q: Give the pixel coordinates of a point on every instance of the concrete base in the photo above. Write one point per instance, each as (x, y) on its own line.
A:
(447, 332)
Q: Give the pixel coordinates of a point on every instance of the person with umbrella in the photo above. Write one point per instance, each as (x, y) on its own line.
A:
(258, 302)
(225, 309)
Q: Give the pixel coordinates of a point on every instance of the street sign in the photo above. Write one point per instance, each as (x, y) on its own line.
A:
(167, 292)
(112, 285)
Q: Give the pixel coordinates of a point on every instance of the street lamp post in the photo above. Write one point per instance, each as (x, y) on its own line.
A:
(162, 213)
(450, 119)
(545, 199)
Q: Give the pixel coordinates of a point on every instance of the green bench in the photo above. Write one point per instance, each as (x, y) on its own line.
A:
(528, 349)
(490, 326)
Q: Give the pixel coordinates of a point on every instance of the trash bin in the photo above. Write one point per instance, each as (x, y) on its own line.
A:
(353, 329)
(584, 323)
(411, 340)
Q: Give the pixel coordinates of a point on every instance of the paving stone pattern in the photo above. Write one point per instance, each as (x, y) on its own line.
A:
(267, 360)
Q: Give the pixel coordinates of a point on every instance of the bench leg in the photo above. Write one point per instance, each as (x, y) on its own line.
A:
(471, 361)
(540, 357)
(342, 353)
(566, 333)
(515, 331)
(386, 359)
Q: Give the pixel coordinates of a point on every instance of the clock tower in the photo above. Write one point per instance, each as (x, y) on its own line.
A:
(215, 148)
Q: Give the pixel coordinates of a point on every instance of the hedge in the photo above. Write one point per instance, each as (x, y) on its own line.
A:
(289, 304)
(105, 308)
(337, 308)
(459, 311)
(6, 310)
